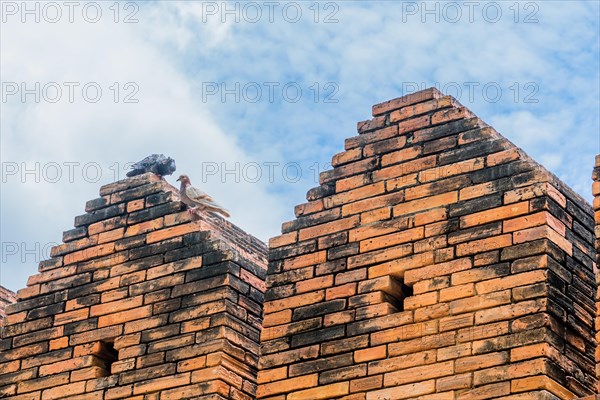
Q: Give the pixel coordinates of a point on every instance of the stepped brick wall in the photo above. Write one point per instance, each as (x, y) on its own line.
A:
(6, 297)
(596, 194)
(139, 303)
(435, 261)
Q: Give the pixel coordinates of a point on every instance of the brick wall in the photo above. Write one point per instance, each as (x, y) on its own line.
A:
(6, 297)
(596, 194)
(434, 261)
(596, 205)
(139, 303)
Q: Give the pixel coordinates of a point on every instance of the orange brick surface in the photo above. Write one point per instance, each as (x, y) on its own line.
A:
(596, 193)
(435, 261)
(139, 302)
(458, 269)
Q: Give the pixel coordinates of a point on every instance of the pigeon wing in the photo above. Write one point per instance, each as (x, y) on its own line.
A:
(196, 194)
(210, 205)
(148, 161)
(144, 163)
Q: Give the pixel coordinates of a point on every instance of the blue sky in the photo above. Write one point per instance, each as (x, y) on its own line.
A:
(236, 90)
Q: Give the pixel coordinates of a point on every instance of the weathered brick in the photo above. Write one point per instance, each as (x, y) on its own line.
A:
(482, 245)
(399, 267)
(481, 361)
(406, 100)
(435, 260)
(436, 270)
(421, 108)
(404, 170)
(400, 156)
(480, 302)
(446, 171)
(495, 214)
(322, 392)
(382, 133)
(417, 374)
(296, 301)
(393, 239)
(403, 391)
(425, 204)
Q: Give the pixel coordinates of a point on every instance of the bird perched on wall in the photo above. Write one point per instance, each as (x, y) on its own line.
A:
(155, 163)
(196, 199)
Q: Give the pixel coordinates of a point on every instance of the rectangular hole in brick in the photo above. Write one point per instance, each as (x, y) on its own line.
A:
(407, 291)
(106, 354)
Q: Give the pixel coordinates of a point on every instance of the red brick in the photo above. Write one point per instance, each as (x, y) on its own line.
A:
(327, 228)
(322, 392)
(436, 270)
(370, 137)
(400, 156)
(399, 267)
(450, 114)
(338, 318)
(482, 245)
(421, 96)
(370, 354)
(115, 306)
(410, 207)
(446, 171)
(342, 291)
(163, 234)
(494, 214)
(305, 260)
(420, 108)
(408, 391)
(125, 316)
(533, 220)
(283, 240)
(503, 157)
(405, 168)
(417, 374)
(478, 362)
(393, 239)
(346, 157)
(295, 301)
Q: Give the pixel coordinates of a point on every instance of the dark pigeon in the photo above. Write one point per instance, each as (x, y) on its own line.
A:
(156, 163)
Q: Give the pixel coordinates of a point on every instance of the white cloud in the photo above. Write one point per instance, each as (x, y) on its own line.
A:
(169, 118)
(369, 54)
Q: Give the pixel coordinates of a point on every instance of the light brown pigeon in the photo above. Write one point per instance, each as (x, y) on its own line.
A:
(196, 199)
